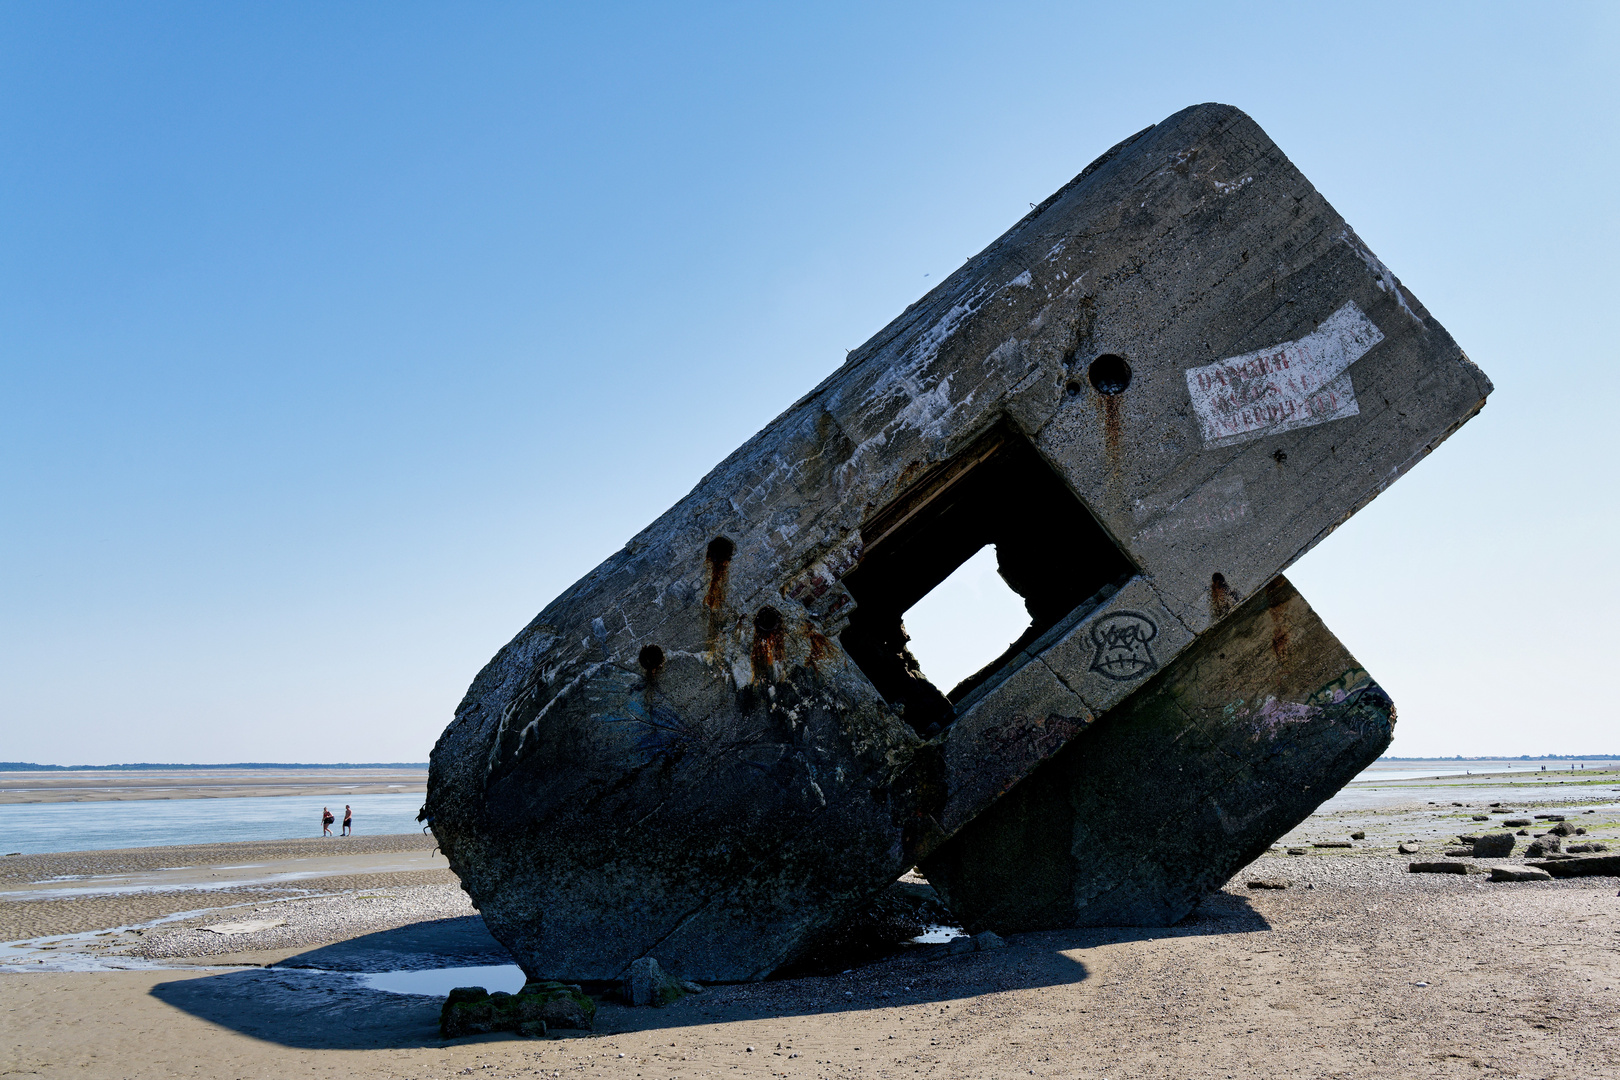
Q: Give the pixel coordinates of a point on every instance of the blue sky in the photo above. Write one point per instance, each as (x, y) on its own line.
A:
(335, 340)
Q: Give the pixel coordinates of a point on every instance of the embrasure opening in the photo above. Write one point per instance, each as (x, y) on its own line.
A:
(1049, 550)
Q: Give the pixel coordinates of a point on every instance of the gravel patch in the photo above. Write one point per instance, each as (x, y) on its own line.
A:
(309, 922)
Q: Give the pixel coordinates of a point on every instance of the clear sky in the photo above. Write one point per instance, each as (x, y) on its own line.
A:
(337, 339)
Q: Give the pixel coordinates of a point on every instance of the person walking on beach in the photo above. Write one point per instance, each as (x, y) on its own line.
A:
(348, 820)
(326, 821)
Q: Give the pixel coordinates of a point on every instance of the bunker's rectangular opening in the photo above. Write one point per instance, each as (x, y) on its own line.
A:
(1049, 550)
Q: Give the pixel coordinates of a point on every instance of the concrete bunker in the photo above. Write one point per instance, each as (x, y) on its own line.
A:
(707, 750)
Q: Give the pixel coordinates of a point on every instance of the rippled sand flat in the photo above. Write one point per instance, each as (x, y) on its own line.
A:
(248, 960)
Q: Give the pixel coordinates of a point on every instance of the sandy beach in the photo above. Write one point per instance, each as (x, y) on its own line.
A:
(1357, 968)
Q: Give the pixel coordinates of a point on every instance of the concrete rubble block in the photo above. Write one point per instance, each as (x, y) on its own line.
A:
(539, 1006)
(1169, 794)
(1519, 873)
(647, 984)
(1159, 388)
(1589, 866)
(1494, 846)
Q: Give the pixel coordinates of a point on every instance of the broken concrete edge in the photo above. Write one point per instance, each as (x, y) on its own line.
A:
(1235, 743)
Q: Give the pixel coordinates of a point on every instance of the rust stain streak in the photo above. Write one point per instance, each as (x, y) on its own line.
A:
(1276, 609)
(1221, 598)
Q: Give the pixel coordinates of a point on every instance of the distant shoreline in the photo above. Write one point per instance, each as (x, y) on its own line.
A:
(29, 766)
(1511, 757)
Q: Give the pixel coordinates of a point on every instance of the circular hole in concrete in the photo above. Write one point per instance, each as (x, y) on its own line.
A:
(1073, 387)
(768, 621)
(1109, 374)
(651, 658)
(721, 550)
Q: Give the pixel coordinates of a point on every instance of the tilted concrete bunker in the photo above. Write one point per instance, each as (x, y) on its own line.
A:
(1152, 394)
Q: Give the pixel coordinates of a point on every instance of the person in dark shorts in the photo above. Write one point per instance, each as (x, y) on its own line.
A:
(326, 821)
(348, 820)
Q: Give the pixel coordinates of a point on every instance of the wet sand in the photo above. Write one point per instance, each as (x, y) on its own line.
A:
(114, 785)
(1357, 969)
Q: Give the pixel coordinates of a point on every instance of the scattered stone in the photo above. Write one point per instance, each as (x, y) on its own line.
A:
(1564, 828)
(1482, 817)
(1516, 823)
(958, 946)
(1494, 846)
(1296, 851)
(1519, 873)
(1459, 853)
(1268, 883)
(1468, 839)
(646, 984)
(1543, 845)
(1549, 817)
(987, 940)
(1437, 868)
(1409, 849)
(1333, 843)
(1359, 834)
(1576, 849)
(1523, 832)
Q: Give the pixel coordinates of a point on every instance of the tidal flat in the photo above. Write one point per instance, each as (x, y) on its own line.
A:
(270, 958)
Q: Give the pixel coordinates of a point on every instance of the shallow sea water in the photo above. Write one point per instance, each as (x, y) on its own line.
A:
(35, 828)
(438, 982)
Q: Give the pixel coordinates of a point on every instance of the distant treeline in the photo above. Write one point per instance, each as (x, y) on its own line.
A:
(1510, 757)
(29, 766)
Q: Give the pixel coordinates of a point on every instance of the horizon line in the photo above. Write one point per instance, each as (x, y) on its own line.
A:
(30, 766)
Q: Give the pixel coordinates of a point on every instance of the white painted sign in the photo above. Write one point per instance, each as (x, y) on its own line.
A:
(1292, 385)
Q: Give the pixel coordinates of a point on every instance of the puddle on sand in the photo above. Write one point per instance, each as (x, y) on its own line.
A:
(438, 982)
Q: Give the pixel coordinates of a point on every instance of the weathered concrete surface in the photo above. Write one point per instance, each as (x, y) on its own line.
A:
(681, 756)
(1169, 794)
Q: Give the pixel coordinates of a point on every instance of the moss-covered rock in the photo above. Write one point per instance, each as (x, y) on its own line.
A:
(534, 1010)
